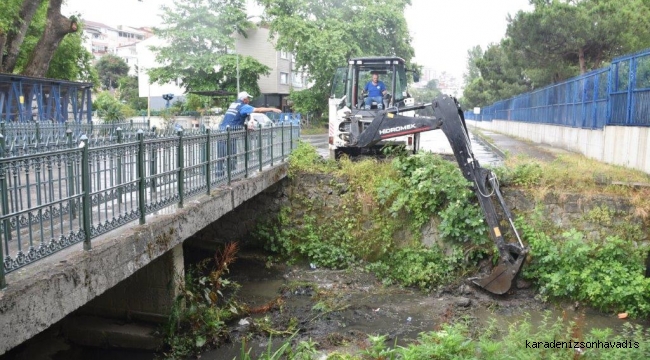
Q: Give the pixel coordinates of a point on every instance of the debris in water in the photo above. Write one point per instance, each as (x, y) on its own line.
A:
(375, 310)
(622, 315)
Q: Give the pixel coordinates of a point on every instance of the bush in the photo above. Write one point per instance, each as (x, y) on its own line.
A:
(608, 275)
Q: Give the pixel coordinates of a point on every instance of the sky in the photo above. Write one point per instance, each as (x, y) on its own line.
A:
(442, 30)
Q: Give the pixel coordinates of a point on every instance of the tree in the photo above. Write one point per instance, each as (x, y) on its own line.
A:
(559, 39)
(199, 34)
(110, 109)
(110, 69)
(325, 34)
(128, 93)
(426, 95)
(36, 40)
(501, 78)
(473, 56)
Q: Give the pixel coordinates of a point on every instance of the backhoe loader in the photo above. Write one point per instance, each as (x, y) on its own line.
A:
(355, 131)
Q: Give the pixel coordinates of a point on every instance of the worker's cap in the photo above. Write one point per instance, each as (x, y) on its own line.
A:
(243, 95)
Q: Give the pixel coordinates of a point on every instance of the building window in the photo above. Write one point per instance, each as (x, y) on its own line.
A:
(284, 54)
(284, 78)
(296, 79)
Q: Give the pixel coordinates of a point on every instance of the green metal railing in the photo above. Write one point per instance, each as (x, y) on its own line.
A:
(77, 192)
(38, 137)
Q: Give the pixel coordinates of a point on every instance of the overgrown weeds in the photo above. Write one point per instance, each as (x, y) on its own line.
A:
(608, 274)
(576, 174)
(560, 339)
(378, 220)
(199, 315)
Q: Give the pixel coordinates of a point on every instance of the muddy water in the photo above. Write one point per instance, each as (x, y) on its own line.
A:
(339, 309)
(358, 305)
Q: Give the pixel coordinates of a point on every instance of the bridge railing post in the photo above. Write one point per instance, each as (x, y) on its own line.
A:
(142, 178)
(291, 137)
(246, 150)
(208, 157)
(259, 143)
(119, 166)
(228, 154)
(85, 188)
(271, 143)
(282, 139)
(153, 168)
(73, 210)
(181, 170)
(5, 210)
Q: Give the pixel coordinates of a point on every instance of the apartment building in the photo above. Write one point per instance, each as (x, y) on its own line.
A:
(284, 75)
(101, 39)
(275, 87)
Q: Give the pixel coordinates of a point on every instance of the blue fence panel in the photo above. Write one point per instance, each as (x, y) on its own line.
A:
(615, 95)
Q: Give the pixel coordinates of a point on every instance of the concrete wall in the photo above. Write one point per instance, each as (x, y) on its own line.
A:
(148, 295)
(619, 145)
(40, 295)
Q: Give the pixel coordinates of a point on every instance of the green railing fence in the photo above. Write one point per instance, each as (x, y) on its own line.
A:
(37, 137)
(82, 189)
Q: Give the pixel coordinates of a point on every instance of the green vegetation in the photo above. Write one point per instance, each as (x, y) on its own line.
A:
(199, 314)
(200, 41)
(324, 34)
(608, 274)
(111, 109)
(553, 42)
(37, 40)
(111, 68)
(463, 340)
(577, 174)
(384, 205)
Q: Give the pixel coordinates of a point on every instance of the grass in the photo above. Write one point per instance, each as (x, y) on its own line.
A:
(575, 173)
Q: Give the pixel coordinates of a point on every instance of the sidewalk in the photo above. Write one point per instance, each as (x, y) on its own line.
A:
(506, 145)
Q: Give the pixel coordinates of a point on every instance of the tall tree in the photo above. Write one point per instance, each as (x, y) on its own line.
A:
(16, 30)
(473, 56)
(324, 34)
(199, 36)
(500, 78)
(110, 69)
(31, 31)
(128, 93)
(558, 39)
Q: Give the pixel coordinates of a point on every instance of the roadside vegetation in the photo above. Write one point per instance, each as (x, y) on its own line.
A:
(386, 204)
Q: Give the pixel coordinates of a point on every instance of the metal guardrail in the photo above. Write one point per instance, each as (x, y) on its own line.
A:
(52, 200)
(36, 137)
(616, 95)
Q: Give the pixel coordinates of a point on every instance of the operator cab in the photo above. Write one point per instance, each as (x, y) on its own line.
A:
(350, 81)
(348, 101)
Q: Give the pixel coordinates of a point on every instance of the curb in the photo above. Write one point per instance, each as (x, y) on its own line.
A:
(492, 146)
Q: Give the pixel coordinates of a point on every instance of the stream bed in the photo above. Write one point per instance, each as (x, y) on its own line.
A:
(339, 309)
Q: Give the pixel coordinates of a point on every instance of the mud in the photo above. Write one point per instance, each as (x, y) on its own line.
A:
(339, 309)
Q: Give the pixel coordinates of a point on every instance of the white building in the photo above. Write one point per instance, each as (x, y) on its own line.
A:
(101, 39)
(275, 87)
(146, 59)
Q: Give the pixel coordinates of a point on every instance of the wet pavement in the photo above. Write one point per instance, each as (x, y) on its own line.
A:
(434, 141)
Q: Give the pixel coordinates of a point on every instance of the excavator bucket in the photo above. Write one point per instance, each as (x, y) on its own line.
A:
(500, 280)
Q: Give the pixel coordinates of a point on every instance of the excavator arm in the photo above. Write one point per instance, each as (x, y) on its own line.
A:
(449, 118)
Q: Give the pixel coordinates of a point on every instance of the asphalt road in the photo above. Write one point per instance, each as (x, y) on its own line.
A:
(434, 141)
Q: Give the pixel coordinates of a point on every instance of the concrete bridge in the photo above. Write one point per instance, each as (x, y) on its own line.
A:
(131, 207)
